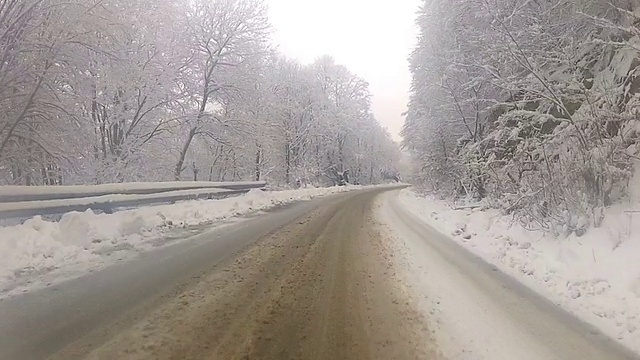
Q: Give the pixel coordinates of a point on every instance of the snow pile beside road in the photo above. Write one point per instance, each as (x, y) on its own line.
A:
(595, 276)
(83, 238)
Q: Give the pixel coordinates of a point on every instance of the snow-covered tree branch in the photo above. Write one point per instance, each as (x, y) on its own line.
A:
(530, 105)
(95, 92)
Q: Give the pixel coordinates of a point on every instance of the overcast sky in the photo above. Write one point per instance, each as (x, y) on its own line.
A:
(373, 38)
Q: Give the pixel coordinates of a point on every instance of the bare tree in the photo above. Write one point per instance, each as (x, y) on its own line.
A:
(221, 35)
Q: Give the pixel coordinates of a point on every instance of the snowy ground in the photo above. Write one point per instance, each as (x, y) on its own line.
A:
(38, 252)
(595, 276)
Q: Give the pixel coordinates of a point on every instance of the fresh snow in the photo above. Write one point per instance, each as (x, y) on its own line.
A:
(595, 276)
(39, 252)
(465, 321)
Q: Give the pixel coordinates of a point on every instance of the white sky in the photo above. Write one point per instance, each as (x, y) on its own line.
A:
(373, 38)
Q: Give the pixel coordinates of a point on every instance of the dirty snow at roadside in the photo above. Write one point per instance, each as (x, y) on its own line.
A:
(39, 252)
(595, 276)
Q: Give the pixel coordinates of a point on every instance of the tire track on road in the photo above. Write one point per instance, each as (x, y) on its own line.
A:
(323, 287)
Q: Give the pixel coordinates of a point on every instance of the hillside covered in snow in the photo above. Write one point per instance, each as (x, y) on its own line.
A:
(531, 106)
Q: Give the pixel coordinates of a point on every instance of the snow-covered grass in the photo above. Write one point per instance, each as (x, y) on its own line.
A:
(595, 276)
(39, 249)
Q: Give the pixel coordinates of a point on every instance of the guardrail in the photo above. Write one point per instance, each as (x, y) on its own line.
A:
(26, 201)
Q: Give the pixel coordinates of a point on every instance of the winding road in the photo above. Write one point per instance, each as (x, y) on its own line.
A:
(322, 279)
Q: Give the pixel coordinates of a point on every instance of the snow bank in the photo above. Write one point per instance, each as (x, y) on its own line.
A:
(595, 276)
(84, 239)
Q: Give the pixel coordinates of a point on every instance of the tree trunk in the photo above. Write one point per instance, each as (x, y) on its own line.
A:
(257, 164)
(16, 173)
(183, 154)
(371, 174)
(196, 170)
(287, 163)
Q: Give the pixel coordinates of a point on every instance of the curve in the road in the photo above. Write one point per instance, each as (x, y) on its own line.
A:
(323, 279)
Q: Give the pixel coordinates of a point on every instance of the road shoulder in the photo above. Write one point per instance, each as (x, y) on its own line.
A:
(478, 312)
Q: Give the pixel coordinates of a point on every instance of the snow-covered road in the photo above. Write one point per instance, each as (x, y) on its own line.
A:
(475, 310)
(595, 275)
(349, 276)
(220, 293)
